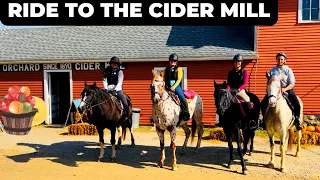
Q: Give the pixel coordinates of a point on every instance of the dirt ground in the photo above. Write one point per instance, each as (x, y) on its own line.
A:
(45, 153)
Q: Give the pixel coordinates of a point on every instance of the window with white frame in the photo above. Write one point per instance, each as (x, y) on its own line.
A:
(157, 70)
(309, 10)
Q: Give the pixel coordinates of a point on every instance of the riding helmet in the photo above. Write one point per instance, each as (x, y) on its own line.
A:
(281, 54)
(115, 59)
(237, 57)
(173, 57)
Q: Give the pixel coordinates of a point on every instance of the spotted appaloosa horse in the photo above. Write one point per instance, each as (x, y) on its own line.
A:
(165, 114)
(278, 118)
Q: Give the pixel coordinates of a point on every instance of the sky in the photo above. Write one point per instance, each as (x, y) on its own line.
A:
(2, 26)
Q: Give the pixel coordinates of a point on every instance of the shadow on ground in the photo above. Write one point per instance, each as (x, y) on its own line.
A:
(70, 153)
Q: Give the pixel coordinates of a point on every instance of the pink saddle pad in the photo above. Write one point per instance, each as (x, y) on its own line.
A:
(189, 94)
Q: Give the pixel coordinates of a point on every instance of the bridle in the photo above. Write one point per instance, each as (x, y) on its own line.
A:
(279, 92)
(153, 93)
(89, 104)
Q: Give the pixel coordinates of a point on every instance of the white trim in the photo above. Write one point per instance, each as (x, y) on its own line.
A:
(185, 75)
(46, 90)
(300, 14)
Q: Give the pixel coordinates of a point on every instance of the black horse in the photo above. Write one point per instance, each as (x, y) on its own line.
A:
(232, 120)
(104, 110)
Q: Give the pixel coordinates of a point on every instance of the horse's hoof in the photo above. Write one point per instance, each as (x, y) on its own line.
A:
(228, 166)
(283, 170)
(270, 165)
(174, 168)
(160, 165)
(112, 159)
(99, 159)
(298, 155)
(244, 172)
(250, 153)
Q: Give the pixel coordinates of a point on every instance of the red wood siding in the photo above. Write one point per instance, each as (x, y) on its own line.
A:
(137, 76)
(301, 43)
(34, 80)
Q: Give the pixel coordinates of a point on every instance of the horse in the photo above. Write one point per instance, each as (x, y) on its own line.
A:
(165, 114)
(233, 119)
(279, 118)
(104, 110)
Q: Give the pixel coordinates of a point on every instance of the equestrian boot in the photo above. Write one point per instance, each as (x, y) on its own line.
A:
(185, 115)
(297, 123)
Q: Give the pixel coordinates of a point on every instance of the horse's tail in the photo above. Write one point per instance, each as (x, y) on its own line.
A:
(193, 129)
(290, 140)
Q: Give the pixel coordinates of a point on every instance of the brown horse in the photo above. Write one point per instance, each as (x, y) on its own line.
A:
(278, 118)
(105, 111)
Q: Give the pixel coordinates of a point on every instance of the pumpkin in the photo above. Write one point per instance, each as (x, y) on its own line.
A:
(304, 130)
(311, 128)
(318, 129)
(304, 125)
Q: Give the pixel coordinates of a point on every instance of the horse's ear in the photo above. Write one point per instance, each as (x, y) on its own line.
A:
(267, 75)
(215, 83)
(224, 83)
(153, 73)
(162, 73)
(94, 84)
(85, 84)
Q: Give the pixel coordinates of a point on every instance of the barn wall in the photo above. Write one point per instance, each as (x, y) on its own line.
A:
(301, 43)
(137, 76)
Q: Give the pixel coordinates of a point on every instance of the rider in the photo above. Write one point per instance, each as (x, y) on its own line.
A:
(172, 78)
(112, 81)
(286, 86)
(237, 80)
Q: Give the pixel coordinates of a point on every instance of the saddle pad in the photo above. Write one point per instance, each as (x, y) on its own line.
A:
(189, 94)
(118, 103)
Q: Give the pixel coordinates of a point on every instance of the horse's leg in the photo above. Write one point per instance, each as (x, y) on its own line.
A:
(160, 133)
(284, 136)
(113, 143)
(271, 141)
(252, 134)
(172, 131)
(299, 144)
(101, 141)
(119, 129)
(132, 138)
(246, 134)
(187, 132)
(244, 169)
(200, 134)
(229, 139)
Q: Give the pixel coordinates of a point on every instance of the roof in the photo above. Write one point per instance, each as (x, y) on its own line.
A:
(129, 43)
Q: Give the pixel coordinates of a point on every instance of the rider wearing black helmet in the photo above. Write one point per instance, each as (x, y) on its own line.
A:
(286, 86)
(172, 77)
(237, 80)
(112, 81)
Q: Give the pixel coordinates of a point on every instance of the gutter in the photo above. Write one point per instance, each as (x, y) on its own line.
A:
(251, 57)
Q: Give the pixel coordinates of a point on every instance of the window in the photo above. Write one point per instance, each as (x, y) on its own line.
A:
(309, 10)
(157, 70)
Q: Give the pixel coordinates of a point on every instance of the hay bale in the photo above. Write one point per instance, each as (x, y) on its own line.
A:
(310, 138)
(82, 129)
(218, 134)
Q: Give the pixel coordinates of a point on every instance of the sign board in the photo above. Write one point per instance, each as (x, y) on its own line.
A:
(92, 66)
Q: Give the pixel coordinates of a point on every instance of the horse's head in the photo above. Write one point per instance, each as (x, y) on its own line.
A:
(222, 97)
(157, 87)
(273, 88)
(88, 97)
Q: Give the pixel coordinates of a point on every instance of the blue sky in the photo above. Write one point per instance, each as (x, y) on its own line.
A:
(6, 27)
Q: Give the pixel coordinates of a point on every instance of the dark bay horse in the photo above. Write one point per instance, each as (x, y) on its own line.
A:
(105, 111)
(232, 120)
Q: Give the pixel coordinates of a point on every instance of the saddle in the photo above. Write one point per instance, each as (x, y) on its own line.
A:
(288, 100)
(188, 94)
(118, 103)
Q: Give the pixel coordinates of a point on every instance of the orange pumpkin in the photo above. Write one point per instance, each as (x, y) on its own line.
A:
(311, 128)
(304, 130)
(318, 129)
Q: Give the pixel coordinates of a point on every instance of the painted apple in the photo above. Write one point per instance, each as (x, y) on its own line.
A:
(8, 98)
(25, 90)
(5, 106)
(31, 100)
(19, 97)
(13, 90)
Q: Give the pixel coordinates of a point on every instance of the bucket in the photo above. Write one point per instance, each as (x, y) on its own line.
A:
(17, 124)
(135, 117)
